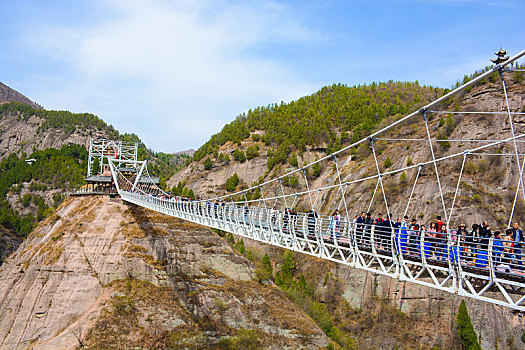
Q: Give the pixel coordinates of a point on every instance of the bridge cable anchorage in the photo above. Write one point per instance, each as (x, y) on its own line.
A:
(511, 122)
(423, 112)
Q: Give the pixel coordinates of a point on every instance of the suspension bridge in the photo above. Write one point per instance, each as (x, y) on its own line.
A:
(484, 268)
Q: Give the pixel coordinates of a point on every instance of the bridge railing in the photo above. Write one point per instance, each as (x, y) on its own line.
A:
(448, 261)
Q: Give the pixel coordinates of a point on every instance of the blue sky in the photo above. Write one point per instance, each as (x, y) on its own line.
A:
(174, 72)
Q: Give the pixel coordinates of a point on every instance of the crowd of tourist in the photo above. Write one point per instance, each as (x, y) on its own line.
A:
(476, 246)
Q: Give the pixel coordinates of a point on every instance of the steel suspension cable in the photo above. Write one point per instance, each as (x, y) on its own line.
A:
(341, 187)
(516, 194)
(473, 112)
(379, 178)
(457, 191)
(412, 192)
(520, 180)
(308, 189)
(411, 166)
(282, 190)
(372, 199)
(435, 164)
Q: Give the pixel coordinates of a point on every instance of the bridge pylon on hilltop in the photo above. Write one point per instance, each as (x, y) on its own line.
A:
(124, 155)
(482, 267)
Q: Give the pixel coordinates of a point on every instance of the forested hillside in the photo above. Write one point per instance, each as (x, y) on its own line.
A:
(334, 115)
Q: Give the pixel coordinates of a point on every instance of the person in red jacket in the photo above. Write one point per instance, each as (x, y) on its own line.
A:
(439, 223)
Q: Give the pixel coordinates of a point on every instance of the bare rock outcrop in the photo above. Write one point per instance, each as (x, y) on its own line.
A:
(107, 275)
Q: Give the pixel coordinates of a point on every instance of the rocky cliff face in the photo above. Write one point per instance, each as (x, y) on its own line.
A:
(19, 136)
(380, 312)
(105, 275)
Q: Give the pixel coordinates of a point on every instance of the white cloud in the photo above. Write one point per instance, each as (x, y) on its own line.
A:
(174, 73)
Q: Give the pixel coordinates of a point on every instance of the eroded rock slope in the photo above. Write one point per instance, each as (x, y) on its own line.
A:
(106, 275)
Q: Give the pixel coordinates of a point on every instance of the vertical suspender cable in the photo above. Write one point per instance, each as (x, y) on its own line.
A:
(412, 192)
(424, 113)
(520, 181)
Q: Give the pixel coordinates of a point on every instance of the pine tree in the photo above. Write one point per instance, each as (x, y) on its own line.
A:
(208, 164)
(239, 246)
(388, 162)
(267, 265)
(465, 330)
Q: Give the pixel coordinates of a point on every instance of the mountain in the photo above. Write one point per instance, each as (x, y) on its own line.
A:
(188, 153)
(9, 95)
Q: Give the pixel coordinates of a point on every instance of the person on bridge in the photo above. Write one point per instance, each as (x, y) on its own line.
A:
(439, 223)
(378, 230)
(386, 229)
(472, 239)
(413, 236)
(497, 248)
(335, 224)
(430, 240)
(286, 219)
(360, 227)
(403, 235)
(441, 243)
(368, 229)
(273, 218)
(293, 219)
(517, 238)
(246, 213)
(312, 221)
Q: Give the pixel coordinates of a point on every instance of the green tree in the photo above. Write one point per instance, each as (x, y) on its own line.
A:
(232, 182)
(266, 268)
(95, 167)
(239, 156)
(403, 178)
(465, 330)
(316, 170)
(388, 162)
(208, 164)
(284, 277)
(293, 160)
(239, 246)
(252, 152)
